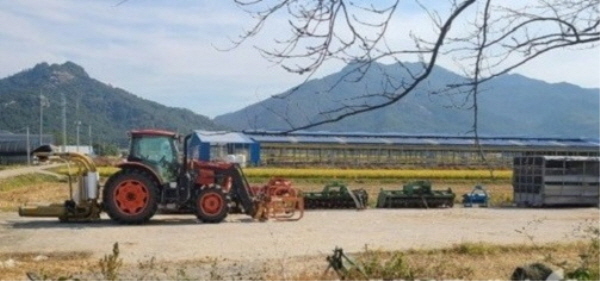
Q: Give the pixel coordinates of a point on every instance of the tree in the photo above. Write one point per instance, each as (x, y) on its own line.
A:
(106, 149)
(486, 38)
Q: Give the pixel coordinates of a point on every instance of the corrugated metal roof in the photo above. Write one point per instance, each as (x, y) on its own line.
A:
(401, 139)
(17, 143)
(223, 137)
(565, 158)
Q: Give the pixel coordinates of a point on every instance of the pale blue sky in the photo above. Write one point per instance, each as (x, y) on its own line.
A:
(164, 50)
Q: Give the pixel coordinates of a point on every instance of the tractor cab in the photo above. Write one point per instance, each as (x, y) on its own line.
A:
(157, 150)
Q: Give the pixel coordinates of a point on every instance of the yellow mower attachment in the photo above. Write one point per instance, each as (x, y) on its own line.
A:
(83, 200)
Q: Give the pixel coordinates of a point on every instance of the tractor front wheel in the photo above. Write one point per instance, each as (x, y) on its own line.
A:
(211, 205)
(130, 197)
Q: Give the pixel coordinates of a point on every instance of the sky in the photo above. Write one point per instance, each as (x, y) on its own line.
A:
(171, 51)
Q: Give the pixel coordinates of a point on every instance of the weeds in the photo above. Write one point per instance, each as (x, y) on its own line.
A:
(587, 266)
(475, 249)
(371, 264)
(376, 266)
(589, 258)
(110, 264)
(461, 261)
(182, 275)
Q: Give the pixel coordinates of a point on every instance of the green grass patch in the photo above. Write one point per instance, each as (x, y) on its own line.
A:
(26, 180)
(322, 176)
(379, 174)
(8, 167)
(103, 171)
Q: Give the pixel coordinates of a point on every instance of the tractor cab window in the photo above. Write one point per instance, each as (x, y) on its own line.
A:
(159, 152)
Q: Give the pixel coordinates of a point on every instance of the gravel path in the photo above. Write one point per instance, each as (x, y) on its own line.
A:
(181, 237)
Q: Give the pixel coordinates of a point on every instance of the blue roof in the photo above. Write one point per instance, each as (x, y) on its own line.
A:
(404, 139)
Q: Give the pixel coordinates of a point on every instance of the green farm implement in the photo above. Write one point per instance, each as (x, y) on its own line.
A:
(336, 196)
(418, 194)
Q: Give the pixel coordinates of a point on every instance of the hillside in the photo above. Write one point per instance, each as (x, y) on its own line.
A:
(511, 105)
(110, 111)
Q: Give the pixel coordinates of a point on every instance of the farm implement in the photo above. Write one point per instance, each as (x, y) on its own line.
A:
(279, 200)
(336, 196)
(478, 196)
(83, 202)
(153, 177)
(418, 194)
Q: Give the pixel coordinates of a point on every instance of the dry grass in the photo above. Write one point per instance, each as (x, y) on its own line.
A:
(470, 261)
(31, 188)
(467, 261)
(381, 175)
(47, 266)
(478, 261)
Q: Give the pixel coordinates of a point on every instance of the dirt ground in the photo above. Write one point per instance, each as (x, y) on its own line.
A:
(182, 237)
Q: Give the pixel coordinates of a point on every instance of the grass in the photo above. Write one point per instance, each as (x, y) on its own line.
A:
(469, 261)
(103, 171)
(24, 181)
(356, 175)
(45, 266)
(8, 167)
(31, 188)
(378, 174)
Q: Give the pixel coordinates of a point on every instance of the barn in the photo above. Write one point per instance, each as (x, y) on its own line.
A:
(224, 146)
(334, 149)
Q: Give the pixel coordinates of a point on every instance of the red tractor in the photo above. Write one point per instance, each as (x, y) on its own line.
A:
(154, 176)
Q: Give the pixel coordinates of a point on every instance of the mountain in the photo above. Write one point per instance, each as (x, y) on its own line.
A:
(510, 105)
(110, 111)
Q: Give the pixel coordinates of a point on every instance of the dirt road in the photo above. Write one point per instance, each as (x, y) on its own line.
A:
(181, 237)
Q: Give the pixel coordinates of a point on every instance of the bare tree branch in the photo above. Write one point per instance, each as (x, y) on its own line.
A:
(491, 40)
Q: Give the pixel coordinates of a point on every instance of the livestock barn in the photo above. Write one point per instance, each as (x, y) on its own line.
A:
(332, 149)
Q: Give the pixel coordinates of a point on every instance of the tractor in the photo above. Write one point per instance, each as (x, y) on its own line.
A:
(154, 176)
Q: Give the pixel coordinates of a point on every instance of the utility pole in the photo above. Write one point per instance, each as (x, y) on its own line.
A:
(43, 103)
(90, 135)
(64, 122)
(77, 125)
(41, 115)
(28, 147)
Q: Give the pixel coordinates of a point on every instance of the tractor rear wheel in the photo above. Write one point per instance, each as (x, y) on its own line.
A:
(130, 197)
(211, 204)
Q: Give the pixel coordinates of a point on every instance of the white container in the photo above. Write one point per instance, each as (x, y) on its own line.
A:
(241, 159)
(231, 158)
(91, 184)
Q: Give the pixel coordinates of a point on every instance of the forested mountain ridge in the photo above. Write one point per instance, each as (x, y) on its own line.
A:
(510, 105)
(110, 111)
